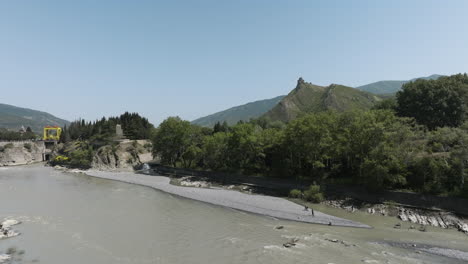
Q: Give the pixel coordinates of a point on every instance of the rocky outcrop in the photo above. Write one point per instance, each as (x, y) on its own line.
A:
(6, 232)
(123, 155)
(422, 217)
(20, 152)
(437, 219)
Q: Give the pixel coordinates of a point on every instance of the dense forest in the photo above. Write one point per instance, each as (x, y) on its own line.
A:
(416, 141)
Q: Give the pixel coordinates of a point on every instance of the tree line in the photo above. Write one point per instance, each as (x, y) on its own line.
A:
(9, 135)
(133, 125)
(81, 139)
(417, 141)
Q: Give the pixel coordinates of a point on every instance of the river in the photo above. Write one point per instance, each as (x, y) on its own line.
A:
(73, 218)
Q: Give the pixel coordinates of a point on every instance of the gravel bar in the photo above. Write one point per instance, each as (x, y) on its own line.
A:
(259, 204)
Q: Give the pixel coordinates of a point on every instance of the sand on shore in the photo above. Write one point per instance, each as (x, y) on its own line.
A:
(259, 204)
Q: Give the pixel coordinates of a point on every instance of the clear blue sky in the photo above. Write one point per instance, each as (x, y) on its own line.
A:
(191, 58)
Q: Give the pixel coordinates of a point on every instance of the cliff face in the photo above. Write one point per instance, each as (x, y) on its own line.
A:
(20, 153)
(123, 156)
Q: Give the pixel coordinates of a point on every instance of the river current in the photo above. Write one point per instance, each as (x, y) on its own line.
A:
(74, 218)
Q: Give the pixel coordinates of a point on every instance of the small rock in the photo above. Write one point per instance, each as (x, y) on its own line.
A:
(370, 261)
(463, 227)
(279, 227)
(10, 222)
(291, 243)
(4, 258)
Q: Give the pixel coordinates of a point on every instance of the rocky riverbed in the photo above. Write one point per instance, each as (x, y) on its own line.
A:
(419, 217)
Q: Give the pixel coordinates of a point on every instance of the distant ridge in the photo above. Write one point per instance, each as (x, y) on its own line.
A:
(13, 117)
(309, 98)
(390, 87)
(258, 108)
(235, 114)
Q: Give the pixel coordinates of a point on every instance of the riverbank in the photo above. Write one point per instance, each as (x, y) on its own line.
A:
(258, 204)
(418, 218)
(420, 210)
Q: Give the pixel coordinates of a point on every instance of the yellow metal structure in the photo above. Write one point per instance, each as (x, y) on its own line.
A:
(52, 133)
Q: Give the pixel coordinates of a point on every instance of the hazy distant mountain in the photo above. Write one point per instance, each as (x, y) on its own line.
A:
(243, 112)
(308, 98)
(12, 117)
(389, 87)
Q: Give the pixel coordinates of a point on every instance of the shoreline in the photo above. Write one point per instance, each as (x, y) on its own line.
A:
(270, 206)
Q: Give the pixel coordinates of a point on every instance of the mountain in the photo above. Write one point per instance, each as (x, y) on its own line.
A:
(12, 117)
(243, 112)
(390, 87)
(307, 98)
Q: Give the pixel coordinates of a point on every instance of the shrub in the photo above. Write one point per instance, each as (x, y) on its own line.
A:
(27, 146)
(295, 193)
(5, 147)
(313, 194)
(148, 146)
(81, 159)
(9, 145)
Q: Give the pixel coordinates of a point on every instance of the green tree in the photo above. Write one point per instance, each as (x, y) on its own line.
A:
(434, 103)
(245, 150)
(215, 151)
(309, 141)
(386, 104)
(171, 140)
